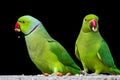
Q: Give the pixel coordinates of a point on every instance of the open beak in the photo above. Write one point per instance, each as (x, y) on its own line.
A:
(17, 27)
(93, 25)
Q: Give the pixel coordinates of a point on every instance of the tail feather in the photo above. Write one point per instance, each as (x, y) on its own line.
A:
(73, 70)
(116, 71)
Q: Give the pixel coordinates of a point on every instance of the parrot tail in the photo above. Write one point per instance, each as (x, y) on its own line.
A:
(73, 70)
(116, 71)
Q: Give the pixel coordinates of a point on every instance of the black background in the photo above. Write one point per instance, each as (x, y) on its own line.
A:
(63, 20)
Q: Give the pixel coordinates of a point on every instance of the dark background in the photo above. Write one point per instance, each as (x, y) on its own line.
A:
(62, 20)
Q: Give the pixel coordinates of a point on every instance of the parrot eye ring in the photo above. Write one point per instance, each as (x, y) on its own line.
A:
(85, 20)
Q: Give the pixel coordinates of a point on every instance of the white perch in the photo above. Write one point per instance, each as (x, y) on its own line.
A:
(74, 77)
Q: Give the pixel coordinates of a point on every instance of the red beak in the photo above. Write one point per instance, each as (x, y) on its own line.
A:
(93, 23)
(17, 27)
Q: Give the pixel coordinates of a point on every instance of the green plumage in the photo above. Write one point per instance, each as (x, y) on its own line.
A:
(92, 50)
(46, 53)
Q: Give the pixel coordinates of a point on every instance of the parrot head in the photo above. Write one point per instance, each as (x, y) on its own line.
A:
(90, 23)
(26, 24)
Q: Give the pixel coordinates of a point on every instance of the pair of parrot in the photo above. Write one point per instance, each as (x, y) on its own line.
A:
(50, 57)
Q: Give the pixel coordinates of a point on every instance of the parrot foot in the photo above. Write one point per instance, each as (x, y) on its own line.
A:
(59, 74)
(84, 73)
(46, 74)
(68, 74)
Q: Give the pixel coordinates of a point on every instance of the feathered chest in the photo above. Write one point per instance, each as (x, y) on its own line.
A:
(88, 42)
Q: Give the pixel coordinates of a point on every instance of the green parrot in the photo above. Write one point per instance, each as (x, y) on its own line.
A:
(92, 50)
(46, 53)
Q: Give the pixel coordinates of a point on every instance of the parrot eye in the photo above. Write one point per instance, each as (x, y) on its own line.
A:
(23, 21)
(85, 20)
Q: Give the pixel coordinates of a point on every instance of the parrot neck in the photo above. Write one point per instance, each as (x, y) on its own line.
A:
(33, 29)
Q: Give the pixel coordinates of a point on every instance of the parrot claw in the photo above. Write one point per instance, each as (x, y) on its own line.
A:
(68, 74)
(46, 74)
(59, 74)
(84, 73)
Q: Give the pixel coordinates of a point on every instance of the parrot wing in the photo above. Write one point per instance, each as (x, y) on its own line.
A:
(77, 52)
(61, 53)
(104, 54)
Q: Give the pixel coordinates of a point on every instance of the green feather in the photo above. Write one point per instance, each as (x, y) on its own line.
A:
(47, 54)
(105, 54)
(92, 50)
